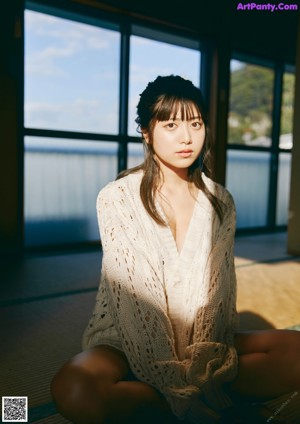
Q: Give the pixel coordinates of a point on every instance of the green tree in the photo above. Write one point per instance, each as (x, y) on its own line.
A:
(287, 107)
(251, 100)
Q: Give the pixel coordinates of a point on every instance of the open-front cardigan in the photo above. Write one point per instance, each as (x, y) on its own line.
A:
(172, 313)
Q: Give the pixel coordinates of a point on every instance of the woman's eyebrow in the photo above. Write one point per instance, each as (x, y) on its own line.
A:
(179, 118)
(194, 117)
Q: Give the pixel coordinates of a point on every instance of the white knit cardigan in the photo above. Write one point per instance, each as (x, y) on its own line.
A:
(172, 313)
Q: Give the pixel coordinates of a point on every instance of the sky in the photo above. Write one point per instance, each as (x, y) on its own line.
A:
(72, 73)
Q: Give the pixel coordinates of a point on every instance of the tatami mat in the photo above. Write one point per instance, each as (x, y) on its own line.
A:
(40, 337)
(261, 248)
(271, 293)
(52, 419)
(36, 277)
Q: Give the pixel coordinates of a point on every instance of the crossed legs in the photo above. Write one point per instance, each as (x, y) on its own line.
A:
(96, 386)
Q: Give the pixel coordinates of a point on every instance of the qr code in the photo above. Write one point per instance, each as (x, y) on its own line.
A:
(14, 408)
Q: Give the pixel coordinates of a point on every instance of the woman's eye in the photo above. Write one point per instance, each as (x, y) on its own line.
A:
(196, 124)
(171, 125)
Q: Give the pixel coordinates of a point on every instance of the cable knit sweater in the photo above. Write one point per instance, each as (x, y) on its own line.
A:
(173, 314)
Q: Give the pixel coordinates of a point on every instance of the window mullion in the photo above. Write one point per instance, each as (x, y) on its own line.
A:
(277, 95)
(123, 107)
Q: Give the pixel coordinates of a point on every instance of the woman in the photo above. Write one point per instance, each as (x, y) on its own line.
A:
(163, 336)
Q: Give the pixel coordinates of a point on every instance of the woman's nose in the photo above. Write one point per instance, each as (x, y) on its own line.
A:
(186, 136)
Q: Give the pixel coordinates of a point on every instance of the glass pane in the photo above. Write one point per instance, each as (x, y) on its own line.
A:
(148, 59)
(71, 75)
(62, 180)
(135, 154)
(287, 111)
(247, 179)
(250, 109)
(283, 190)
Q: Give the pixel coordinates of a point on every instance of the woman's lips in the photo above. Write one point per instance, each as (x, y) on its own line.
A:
(185, 153)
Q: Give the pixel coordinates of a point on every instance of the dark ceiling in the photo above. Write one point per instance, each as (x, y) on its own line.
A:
(264, 33)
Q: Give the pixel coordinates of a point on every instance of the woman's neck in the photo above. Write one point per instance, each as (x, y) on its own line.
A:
(174, 179)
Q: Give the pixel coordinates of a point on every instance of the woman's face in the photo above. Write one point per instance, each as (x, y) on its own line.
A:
(178, 142)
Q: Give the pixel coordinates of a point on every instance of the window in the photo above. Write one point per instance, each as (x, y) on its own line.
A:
(250, 125)
(285, 145)
(77, 99)
(251, 97)
(248, 181)
(287, 111)
(258, 153)
(135, 154)
(71, 89)
(283, 191)
(62, 180)
(71, 75)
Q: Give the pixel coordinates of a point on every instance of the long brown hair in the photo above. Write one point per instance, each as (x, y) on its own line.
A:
(162, 99)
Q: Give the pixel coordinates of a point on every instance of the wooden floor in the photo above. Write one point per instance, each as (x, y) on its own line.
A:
(268, 283)
(272, 292)
(46, 301)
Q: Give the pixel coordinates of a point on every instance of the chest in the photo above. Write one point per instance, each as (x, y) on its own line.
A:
(179, 213)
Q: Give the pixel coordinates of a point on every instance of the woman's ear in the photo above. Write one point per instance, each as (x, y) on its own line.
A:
(146, 136)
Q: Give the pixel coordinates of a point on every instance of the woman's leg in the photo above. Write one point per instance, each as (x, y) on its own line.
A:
(269, 363)
(94, 388)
